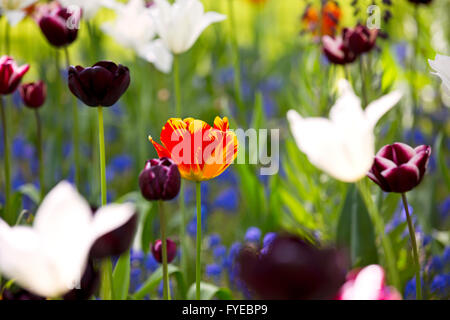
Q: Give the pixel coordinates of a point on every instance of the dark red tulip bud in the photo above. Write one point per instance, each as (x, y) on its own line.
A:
(115, 242)
(361, 39)
(59, 25)
(337, 49)
(171, 250)
(20, 294)
(10, 74)
(160, 179)
(290, 269)
(100, 85)
(33, 94)
(399, 168)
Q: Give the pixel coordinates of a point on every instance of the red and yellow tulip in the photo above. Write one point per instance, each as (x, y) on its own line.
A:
(201, 152)
(331, 14)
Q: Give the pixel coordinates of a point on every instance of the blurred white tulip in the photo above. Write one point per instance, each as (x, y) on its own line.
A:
(344, 145)
(14, 10)
(88, 7)
(135, 29)
(49, 258)
(441, 66)
(180, 24)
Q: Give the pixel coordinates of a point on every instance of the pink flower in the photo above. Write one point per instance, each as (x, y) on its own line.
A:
(10, 74)
(367, 284)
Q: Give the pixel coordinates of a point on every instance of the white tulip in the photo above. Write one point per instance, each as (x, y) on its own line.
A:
(14, 10)
(441, 66)
(180, 24)
(49, 258)
(89, 7)
(135, 29)
(344, 145)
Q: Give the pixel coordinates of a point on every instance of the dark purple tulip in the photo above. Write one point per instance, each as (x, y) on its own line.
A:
(361, 39)
(160, 179)
(171, 250)
(10, 75)
(88, 285)
(291, 269)
(59, 25)
(100, 85)
(20, 294)
(421, 1)
(115, 242)
(399, 168)
(337, 50)
(33, 94)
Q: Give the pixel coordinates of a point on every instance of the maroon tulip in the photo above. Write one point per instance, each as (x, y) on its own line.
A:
(19, 294)
(291, 269)
(337, 49)
(160, 179)
(33, 94)
(399, 168)
(171, 250)
(59, 25)
(116, 242)
(10, 74)
(361, 39)
(421, 1)
(100, 85)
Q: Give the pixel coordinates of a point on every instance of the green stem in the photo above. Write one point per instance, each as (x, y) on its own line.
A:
(363, 82)
(198, 266)
(414, 77)
(162, 218)
(176, 82)
(40, 152)
(8, 214)
(76, 144)
(412, 235)
(106, 266)
(7, 37)
(377, 219)
(236, 60)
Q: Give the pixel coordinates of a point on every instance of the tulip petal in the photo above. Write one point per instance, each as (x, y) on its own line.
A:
(22, 257)
(401, 153)
(376, 109)
(420, 160)
(441, 66)
(158, 54)
(403, 178)
(206, 20)
(368, 284)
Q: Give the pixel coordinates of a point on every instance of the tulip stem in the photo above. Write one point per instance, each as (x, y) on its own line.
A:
(412, 235)
(236, 60)
(363, 82)
(379, 226)
(176, 82)
(76, 147)
(162, 218)
(40, 153)
(7, 37)
(198, 266)
(106, 265)
(7, 213)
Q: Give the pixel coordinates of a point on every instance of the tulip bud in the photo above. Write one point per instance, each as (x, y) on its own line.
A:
(160, 179)
(60, 25)
(399, 168)
(361, 39)
(337, 49)
(100, 85)
(171, 250)
(10, 75)
(33, 94)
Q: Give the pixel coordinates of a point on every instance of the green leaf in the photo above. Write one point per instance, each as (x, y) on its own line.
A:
(441, 159)
(355, 230)
(121, 277)
(209, 291)
(153, 282)
(31, 191)
(147, 225)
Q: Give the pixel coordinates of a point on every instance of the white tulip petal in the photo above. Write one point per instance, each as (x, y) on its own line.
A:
(111, 217)
(207, 19)
(368, 283)
(376, 109)
(158, 54)
(14, 16)
(441, 66)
